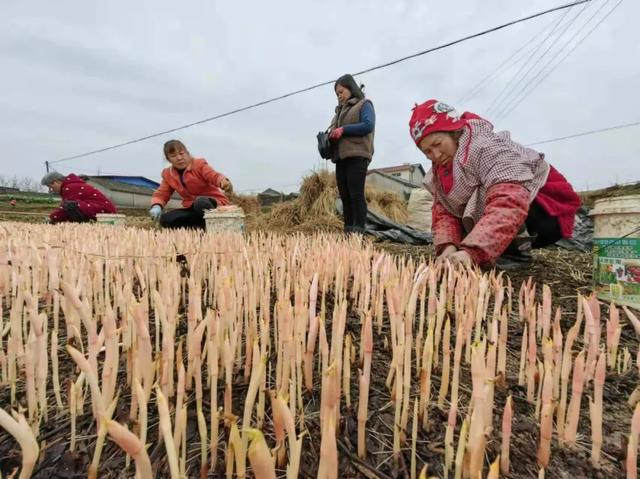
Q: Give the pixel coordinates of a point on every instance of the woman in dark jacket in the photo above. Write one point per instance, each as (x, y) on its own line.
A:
(351, 134)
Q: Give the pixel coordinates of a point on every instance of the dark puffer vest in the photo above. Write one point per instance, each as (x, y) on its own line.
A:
(352, 146)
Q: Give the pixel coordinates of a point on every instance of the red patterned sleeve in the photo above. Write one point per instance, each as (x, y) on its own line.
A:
(58, 215)
(506, 209)
(447, 229)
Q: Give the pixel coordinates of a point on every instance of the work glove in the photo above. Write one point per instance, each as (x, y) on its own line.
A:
(226, 186)
(336, 134)
(155, 212)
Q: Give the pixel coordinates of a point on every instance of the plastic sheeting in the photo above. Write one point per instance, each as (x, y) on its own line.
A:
(385, 229)
(582, 233)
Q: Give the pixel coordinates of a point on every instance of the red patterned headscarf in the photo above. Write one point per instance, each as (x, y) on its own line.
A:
(432, 116)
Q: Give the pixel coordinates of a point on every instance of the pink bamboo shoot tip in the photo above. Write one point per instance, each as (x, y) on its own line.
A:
(18, 427)
(131, 444)
(634, 320)
(507, 417)
(632, 447)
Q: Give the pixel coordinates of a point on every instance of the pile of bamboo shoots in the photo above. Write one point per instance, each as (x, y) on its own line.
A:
(243, 334)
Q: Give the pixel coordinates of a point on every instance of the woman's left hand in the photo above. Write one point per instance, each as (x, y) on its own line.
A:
(460, 257)
(226, 185)
(336, 134)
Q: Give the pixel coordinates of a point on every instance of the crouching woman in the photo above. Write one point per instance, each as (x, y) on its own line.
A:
(494, 199)
(199, 186)
(81, 202)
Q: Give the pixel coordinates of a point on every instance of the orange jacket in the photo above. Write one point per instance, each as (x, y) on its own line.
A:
(198, 179)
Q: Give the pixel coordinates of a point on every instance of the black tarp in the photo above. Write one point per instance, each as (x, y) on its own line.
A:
(582, 233)
(385, 229)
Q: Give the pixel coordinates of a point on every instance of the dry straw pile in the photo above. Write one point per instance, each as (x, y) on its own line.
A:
(315, 208)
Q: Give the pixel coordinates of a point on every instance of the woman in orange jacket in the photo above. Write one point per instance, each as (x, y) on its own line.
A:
(199, 185)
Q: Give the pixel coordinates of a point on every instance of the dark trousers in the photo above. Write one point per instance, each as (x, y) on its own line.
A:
(545, 226)
(192, 217)
(350, 177)
(73, 213)
(539, 225)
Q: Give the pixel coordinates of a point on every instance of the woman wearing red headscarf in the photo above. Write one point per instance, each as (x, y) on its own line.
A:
(492, 195)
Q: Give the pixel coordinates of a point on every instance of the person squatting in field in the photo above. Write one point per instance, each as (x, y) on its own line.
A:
(494, 199)
(199, 186)
(351, 133)
(81, 202)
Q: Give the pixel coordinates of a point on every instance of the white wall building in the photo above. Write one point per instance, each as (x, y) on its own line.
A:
(413, 173)
(129, 191)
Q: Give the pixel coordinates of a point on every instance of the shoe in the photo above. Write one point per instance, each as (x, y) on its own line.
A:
(521, 246)
(508, 262)
(518, 253)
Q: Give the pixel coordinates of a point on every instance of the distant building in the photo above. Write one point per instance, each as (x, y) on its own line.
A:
(385, 182)
(129, 191)
(270, 196)
(413, 173)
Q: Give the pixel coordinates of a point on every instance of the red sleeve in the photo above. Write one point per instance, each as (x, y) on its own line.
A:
(447, 229)
(210, 175)
(505, 211)
(162, 195)
(58, 215)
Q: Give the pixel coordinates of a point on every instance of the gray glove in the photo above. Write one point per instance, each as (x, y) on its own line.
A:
(155, 212)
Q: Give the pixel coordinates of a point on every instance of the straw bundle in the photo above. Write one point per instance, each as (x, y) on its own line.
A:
(248, 203)
(315, 208)
(388, 204)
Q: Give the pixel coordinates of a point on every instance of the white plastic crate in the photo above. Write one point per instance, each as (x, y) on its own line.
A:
(225, 220)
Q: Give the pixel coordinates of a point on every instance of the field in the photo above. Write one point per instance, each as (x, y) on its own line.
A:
(296, 352)
(338, 358)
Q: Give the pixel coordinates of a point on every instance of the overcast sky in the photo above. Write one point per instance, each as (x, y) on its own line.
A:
(78, 76)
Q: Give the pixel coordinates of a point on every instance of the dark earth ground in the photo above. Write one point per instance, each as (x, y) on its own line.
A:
(565, 272)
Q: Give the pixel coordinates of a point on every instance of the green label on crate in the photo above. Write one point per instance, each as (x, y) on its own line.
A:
(617, 269)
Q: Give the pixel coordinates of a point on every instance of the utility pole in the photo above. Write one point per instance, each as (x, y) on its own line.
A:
(46, 165)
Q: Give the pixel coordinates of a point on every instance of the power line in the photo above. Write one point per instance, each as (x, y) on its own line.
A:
(506, 91)
(585, 133)
(516, 91)
(473, 91)
(527, 93)
(325, 83)
(551, 140)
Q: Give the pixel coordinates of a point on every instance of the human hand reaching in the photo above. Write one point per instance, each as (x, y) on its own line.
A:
(155, 212)
(226, 186)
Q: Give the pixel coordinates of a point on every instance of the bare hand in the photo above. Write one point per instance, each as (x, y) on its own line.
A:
(448, 251)
(460, 257)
